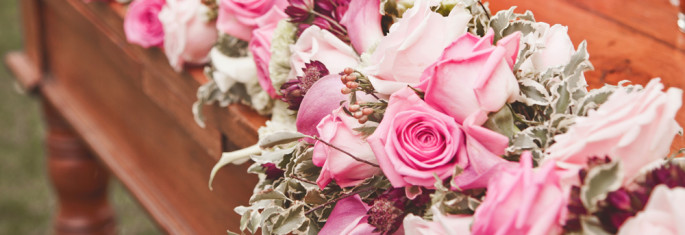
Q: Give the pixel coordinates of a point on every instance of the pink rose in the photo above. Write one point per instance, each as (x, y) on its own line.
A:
(403, 54)
(414, 142)
(636, 127)
(441, 224)
(188, 36)
(348, 217)
(557, 50)
(321, 99)
(338, 129)
(239, 17)
(363, 23)
(142, 25)
(473, 76)
(260, 47)
(522, 201)
(662, 215)
(318, 44)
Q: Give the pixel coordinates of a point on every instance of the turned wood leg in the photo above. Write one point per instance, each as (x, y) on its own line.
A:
(80, 181)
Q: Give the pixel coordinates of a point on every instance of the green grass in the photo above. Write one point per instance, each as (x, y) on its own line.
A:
(27, 201)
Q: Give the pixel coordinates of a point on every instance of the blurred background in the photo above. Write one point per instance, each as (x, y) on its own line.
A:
(27, 202)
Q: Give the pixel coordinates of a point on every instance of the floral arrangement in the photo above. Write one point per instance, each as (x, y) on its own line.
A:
(425, 117)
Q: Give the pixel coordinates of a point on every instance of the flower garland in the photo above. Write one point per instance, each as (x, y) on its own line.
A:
(425, 117)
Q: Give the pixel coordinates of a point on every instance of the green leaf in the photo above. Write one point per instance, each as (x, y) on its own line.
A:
(292, 219)
(502, 122)
(591, 226)
(268, 194)
(280, 137)
(600, 180)
(533, 93)
(314, 197)
(366, 130)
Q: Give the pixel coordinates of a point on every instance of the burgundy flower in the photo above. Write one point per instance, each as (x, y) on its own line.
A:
(294, 90)
(272, 172)
(388, 210)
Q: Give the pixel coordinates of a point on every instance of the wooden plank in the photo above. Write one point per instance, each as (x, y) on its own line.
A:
(32, 31)
(618, 51)
(101, 93)
(652, 18)
(28, 75)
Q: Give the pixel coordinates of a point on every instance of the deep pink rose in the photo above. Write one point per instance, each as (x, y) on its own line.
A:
(363, 23)
(414, 42)
(338, 129)
(414, 142)
(441, 224)
(142, 25)
(260, 47)
(188, 35)
(662, 215)
(636, 127)
(321, 45)
(348, 217)
(473, 76)
(239, 17)
(522, 201)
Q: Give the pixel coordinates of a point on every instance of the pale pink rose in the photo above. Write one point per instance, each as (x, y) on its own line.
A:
(318, 44)
(239, 17)
(636, 127)
(414, 42)
(142, 25)
(441, 224)
(523, 201)
(348, 217)
(556, 49)
(337, 129)
(363, 23)
(188, 36)
(260, 47)
(414, 142)
(473, 76)
(663, 214)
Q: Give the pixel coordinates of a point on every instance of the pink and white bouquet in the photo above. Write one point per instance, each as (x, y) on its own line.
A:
(432, 117)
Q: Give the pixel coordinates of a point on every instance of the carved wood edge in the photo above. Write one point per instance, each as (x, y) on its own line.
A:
(28, 75)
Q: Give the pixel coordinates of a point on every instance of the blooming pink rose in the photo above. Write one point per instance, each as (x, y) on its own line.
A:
(338, 130)
(662, 215)
(318, 44)
(239, 17)
(636, 127)
(142, 25)
(260, 47)
(407, 50)
(188, 36)
(414, 142)
(441, 224)
(348, 217)
(363, 23)
(473, 76)
(522, 201)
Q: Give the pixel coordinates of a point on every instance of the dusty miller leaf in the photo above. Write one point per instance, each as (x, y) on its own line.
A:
(291, 220)
(268, 194)
(280, 137)
(600, 180)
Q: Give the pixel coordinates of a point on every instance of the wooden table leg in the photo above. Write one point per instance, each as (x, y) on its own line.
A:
(79, 180)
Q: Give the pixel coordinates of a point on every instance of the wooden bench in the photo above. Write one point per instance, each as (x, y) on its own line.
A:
(113, 107)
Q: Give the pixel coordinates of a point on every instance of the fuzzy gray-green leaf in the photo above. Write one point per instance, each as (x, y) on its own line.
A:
(280, 137)
(269, 194)
(599, 181)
